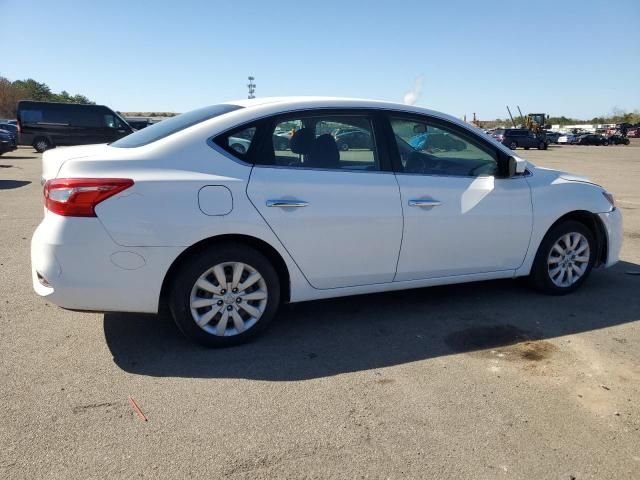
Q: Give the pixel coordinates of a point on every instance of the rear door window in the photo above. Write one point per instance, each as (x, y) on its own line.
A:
(323, 141)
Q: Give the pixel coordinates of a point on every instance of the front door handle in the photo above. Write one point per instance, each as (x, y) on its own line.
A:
(286, 203)
(424, 203)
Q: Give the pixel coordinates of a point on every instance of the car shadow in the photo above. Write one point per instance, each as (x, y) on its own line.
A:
(324, 338)
(11, 184)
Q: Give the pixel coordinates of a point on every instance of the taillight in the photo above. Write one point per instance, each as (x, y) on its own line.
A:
(19, 126)
(78, 197)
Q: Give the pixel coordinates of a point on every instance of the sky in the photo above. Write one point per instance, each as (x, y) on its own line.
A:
(575, 58)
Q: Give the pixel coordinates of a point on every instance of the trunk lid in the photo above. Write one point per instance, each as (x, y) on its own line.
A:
(52, 160)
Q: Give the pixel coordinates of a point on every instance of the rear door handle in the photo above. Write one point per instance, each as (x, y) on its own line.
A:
(424, 203)
(286, 203)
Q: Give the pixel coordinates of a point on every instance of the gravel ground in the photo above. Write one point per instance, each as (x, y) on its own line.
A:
(485, 380)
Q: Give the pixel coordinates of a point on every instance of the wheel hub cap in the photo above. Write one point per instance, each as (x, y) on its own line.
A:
(228, 299)
(568, 259)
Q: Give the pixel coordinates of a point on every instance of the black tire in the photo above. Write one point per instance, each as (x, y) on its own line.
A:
(626, 141)
(41, 144)
(185, 279)
(540, 278)
(344, 147)
(513, 145)
(542, 146)
(526, 148)
(605, 143)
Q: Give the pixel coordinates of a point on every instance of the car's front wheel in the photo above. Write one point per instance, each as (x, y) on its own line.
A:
(513, 145)
(564, 259)
(225, 296)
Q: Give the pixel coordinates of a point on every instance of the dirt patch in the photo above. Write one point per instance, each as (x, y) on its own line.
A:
(481, 338)
(505, 342)
(533, 351)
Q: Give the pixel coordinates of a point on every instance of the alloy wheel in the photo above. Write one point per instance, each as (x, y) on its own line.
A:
(228, 299)
(568, 259)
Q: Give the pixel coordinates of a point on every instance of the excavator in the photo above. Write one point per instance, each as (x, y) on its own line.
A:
(536, 122)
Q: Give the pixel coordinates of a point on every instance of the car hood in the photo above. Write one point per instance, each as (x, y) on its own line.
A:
(53, 159)
(558, 174)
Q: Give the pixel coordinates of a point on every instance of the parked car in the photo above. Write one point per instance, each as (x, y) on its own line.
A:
(7, 142)
(45, 125)
(281, 141)
(552, 137)
(633, 132)
(138, 123)
(353, 139)
(592, 139)
(618, 140)
(239, 144)
(174, 215)
(568, 138)
(519, 137)
(12, 129)
(339, 131)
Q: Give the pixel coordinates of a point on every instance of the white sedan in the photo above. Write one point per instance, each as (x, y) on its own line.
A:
(176, 214)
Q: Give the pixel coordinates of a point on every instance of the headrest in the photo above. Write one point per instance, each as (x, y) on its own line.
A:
(302, 141)
(325, 153)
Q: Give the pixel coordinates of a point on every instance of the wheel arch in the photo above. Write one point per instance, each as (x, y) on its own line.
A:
(260, 245)
(594, 224)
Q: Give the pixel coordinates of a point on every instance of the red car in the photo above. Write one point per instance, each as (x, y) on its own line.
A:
(633, 132)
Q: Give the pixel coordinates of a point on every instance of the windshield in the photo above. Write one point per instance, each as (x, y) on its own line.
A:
(172, 125)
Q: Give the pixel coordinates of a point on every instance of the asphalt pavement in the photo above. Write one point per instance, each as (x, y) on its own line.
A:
(478, 381)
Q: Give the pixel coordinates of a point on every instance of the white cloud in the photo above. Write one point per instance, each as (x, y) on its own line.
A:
(411, 97)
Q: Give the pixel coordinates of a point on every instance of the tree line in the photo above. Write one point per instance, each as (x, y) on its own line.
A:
(30, 89)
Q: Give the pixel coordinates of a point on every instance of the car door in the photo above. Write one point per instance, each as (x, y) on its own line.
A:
(336, 212)
(461, 216)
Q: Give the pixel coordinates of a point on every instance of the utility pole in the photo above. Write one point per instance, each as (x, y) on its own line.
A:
(252, 87)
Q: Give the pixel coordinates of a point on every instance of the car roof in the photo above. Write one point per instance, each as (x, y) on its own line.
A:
(302, 102)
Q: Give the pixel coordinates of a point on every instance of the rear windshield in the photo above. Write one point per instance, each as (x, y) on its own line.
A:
(172, 125)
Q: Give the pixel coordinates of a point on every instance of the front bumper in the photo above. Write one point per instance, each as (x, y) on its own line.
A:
(612, 222)
(75, 264)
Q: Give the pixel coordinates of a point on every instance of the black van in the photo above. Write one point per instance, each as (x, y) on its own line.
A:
(45, 125)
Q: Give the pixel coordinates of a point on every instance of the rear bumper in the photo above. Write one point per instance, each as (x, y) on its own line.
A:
(75, 264)
(612, 222)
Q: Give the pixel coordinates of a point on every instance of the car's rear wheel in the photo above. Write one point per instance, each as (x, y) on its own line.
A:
(542, 146)
(513, 145)
(225, 296)
(565, 258)
(344, 147)
(41, 144)
(605, 143)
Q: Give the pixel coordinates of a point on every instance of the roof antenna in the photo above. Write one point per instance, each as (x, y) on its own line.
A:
(252, 87)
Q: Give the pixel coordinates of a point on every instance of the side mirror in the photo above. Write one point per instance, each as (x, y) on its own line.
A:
(516, 166)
